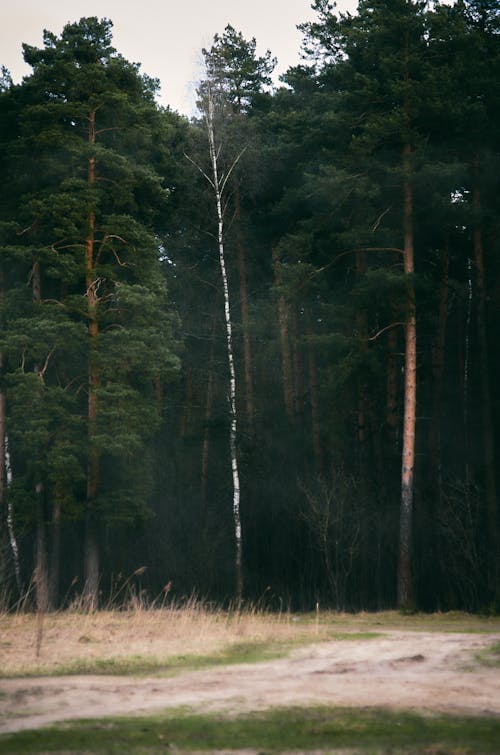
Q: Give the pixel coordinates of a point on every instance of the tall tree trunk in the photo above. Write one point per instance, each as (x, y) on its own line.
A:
(91, 550)
(286, 362)
(486, 405)
(405, 580)
(218, 188)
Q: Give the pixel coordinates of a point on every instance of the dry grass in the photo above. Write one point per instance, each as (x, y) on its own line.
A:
(71, 638)
(75, 641)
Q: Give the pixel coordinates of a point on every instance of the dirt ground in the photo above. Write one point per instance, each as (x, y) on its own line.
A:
(420, 671)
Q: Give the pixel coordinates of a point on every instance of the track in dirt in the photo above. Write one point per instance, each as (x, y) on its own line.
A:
(400, 670)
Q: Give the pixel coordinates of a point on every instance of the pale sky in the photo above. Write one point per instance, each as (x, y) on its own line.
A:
(165, 36)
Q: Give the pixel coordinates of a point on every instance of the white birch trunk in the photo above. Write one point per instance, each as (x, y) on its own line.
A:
(218, 187)
(10, 519)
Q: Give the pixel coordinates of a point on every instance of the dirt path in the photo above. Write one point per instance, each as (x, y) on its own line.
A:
(408, 670)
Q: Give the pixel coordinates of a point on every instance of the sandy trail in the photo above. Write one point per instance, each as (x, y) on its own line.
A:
(406, 670)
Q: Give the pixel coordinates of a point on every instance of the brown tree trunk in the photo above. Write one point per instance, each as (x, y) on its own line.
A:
(486, 405)
(405, 580)
(284, 339)
(91, 551)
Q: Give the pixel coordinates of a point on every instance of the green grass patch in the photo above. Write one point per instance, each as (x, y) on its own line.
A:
(351, 636)
(449, 622)
(245, 652)
(141, 665)
(366, 730)
(490, 656)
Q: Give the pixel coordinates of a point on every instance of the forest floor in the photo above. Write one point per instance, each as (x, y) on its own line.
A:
(110, 664)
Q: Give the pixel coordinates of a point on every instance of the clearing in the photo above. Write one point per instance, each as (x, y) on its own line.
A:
(440, 664)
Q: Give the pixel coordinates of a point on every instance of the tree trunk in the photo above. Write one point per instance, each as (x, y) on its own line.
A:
(91, 551)
(486, 405)
(405, 580)
(284, 340)
(218, 191)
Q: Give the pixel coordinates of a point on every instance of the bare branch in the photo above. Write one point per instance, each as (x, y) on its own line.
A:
(224, 182)
(25, 230)
(379, 219)
(42, 372)
(201, 170)
(111, 128)
(387, 327)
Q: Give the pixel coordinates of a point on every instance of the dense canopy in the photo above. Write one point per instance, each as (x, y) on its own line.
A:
(358, 302)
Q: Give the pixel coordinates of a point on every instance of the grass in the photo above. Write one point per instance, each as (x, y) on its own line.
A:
(490, 656)
(159, 641)
(318, 728)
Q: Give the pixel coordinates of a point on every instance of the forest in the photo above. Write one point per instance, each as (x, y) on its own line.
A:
(251, 356)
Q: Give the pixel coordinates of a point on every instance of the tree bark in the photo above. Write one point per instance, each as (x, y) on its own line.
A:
(405, 578)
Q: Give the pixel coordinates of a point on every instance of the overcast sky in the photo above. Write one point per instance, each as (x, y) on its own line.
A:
(165, 36)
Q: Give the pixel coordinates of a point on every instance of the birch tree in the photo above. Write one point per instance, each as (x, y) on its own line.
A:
(218, 179)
